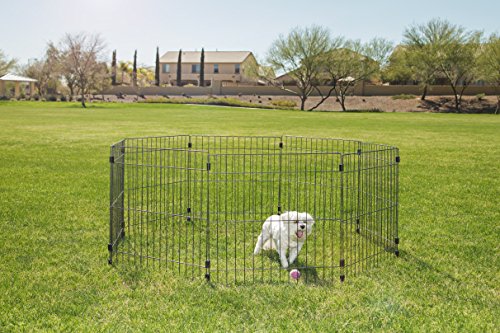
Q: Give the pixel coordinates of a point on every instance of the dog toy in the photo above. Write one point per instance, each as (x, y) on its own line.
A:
(295, 274)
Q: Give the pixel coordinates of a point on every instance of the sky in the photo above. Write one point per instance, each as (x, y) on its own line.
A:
(125, 25)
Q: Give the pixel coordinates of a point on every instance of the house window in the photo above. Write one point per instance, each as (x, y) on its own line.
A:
(166, 68)
(195, 68)
(237, 69)
(216, 68)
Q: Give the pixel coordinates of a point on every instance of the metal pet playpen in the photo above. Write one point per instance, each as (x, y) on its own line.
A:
(195, 204)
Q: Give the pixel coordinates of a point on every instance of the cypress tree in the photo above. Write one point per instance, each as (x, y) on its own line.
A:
(202, 68)
(179, 62)
(134, 70)
(113, 69)
(157, 68)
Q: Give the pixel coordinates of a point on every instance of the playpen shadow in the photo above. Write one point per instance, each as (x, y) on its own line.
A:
(308, 275)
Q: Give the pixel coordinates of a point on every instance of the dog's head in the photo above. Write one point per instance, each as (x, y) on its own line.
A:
(299, 225)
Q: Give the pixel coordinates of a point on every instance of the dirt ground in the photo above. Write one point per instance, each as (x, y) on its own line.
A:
(388, 104)
(470, 104)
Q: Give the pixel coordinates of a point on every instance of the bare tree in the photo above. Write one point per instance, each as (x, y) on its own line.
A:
(82, 56)
(299, 54)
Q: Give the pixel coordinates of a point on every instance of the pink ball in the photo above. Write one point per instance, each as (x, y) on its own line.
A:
(295, 274)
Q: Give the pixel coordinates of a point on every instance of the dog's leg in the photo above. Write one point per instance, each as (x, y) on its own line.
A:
(282, 253)
(293, 253)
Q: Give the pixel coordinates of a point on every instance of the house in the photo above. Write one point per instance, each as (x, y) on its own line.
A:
(224, 66)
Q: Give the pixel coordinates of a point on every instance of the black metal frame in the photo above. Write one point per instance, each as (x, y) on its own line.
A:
(195, 204)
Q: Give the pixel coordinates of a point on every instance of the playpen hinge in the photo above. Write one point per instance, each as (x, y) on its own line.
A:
(281, 144)
(279, 210)
(190, 145)
(207, 277)
(110, 247)
(341, 167)
(398, 159)
(207, 264)
(357, 226)
(111, 159)
(342, 278)
(342, 262)
(359, 151)
(208, 166)
(396, 240)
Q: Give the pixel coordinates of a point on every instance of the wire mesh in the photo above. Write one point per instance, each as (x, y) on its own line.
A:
(195, 204)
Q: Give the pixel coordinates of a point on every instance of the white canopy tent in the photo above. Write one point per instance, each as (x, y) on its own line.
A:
(17, 80)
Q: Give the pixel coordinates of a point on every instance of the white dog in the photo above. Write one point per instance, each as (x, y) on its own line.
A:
(287, 231)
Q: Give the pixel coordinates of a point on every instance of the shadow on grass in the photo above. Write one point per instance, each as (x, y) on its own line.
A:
(424, 265)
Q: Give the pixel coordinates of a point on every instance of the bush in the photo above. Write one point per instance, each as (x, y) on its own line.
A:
(63, 98)
(404, 96)
(284, 103)
(52, 98)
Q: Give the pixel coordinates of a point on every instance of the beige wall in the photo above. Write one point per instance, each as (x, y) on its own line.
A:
(367, 90)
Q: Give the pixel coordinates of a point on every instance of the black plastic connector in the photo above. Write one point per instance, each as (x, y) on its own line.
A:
(398, 159)
(190, 145)
(342, 278)
(341, 167)
(342, 262)
(110, 247)
(207, 264)
(111, 159)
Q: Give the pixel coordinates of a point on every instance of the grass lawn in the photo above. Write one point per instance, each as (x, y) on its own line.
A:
(54, 208)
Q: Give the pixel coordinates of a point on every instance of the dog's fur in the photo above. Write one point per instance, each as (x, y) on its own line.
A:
(287, 231)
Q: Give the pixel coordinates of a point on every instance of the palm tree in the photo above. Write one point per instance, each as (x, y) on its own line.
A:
(125, 68)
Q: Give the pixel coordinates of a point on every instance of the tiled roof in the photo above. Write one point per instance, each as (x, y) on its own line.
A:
(214, 57)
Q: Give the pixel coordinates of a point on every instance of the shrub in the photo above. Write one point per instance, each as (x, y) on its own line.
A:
(63, 98)
(404, 96)
(52, 98)
(284, 103)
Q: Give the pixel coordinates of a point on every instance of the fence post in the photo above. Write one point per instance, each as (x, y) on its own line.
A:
(342, 219)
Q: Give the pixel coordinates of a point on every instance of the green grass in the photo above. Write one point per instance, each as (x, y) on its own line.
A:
(54, 192)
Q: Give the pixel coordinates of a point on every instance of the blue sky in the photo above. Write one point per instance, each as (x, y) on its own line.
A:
(125, 25)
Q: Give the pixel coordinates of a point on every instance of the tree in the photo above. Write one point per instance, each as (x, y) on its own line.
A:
(179, 70)
(125, 69)
(82, 55)
(202, 68)
(134, 70)
(6, 64)
(157, 67)
(354, 62)
(398, 69)
(441, 49)
(299, 54)
(459, 63)
(47, 71)
(113, 69)
(489, 64)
